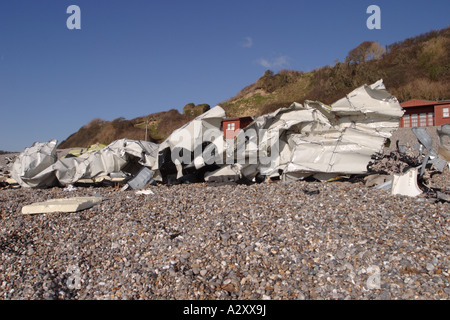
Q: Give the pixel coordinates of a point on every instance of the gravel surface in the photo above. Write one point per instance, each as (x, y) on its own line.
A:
(299, 240)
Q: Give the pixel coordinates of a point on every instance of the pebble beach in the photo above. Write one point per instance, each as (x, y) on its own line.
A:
(270, 241)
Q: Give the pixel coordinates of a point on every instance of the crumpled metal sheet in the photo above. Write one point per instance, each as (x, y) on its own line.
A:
(28, 167)
(340, 139)
(294, 142)
(444, 142)
(185, 144)
(38, 167)
(431, 156)
(230, 172)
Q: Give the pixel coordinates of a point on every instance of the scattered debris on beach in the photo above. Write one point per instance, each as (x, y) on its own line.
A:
(310, 141)
(331, 214)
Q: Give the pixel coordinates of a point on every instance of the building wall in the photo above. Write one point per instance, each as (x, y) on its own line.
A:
(442, 114)
(231, 127)
(418, 117)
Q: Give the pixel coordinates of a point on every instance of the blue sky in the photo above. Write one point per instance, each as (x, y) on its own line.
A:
(132, 58)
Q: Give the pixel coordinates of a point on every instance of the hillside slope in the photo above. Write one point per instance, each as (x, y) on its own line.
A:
(416, 68)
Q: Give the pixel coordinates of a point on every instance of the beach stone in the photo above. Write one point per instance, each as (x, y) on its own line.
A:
(200, 242)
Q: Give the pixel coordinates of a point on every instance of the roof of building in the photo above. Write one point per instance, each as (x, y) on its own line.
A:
(241, 118)
(418, 103)
(422, 103)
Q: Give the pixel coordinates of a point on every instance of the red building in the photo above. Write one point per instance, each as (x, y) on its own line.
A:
(232, 126)
(424, 113)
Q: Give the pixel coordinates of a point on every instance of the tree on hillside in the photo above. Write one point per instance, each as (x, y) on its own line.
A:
(368, 50)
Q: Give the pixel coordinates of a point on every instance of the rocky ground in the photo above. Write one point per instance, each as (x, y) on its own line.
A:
(274, 240)
(299, 240)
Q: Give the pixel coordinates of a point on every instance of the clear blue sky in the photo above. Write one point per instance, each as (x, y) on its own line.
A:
(132, 58)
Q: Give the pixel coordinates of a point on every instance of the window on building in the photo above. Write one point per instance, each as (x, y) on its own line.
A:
(231, 126)
(423, 120)
(445, 112)
(414, 122)
(406, 121)
(430, 119)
